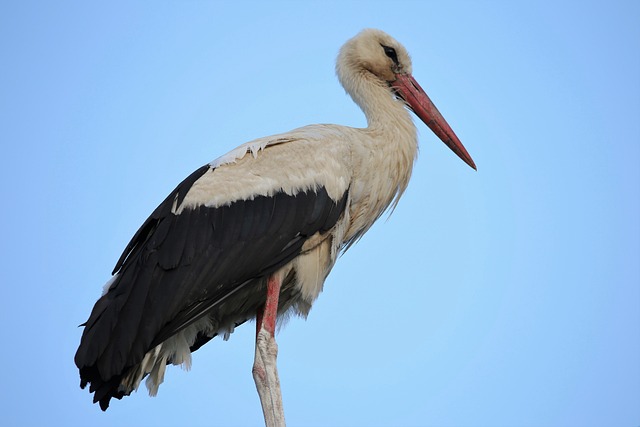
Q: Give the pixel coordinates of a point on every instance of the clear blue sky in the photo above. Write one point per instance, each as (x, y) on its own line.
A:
(504, 297)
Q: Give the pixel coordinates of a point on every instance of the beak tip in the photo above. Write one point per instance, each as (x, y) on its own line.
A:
(459, 149)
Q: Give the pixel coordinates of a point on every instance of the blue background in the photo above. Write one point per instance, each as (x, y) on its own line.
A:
(504, 297)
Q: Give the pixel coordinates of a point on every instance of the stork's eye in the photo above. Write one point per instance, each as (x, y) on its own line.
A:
(391, 53)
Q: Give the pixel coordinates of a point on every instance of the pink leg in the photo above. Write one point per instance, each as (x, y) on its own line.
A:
(265, 372)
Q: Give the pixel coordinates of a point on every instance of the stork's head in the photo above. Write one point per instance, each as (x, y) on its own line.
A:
(376, 52)
(374, 56)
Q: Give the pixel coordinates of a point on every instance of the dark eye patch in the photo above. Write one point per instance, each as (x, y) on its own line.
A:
(391, 53)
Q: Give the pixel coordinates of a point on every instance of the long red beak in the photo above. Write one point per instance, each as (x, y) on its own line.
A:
(409, 89)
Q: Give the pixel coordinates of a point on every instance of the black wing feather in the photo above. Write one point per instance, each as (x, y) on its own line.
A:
(177, 268)
(161, 211)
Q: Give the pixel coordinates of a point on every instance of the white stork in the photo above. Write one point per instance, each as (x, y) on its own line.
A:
(255, 233)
